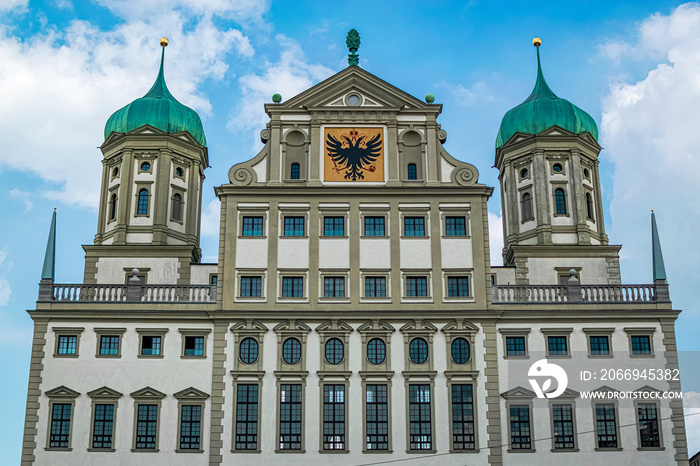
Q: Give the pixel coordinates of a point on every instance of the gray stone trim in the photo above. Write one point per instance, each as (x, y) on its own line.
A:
(218, 397)
(680, 442)
(31, 416)
(491, 388)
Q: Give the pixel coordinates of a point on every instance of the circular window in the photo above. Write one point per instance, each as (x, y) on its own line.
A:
(178, 171)
(418, 350)
(524, 173)
(557, 167)
(249, 351)
(291, 351)
(115, 172)
(334, 351)
(460, 351)
(354, 100)
(586, 173)
(145, 166)
(376, 351)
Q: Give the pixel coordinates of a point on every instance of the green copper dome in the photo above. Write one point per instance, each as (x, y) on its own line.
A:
(542, 110)
(159, 109)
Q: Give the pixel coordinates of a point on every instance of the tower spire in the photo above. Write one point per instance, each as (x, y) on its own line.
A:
(49, 270)
(657, 256)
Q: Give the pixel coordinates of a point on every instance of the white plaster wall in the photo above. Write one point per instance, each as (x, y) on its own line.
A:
(163, 271)
(260, 169)
(251, 253)
(293, 253)
(334, 253)
(199, 273)
(415, 253)
(457, 253)
(139, 237)
(564, 238)
(504, 275)
(375, 253)
(446, 170)
(125, 375)
(541, 271)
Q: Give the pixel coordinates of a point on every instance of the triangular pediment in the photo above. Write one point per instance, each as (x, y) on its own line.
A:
(518, 392)
(249, 325)
(104, 392)
(334, 326)
(62, 391)
(413, 326)
(292, 326)
(605, 389)
(454, 326)
(147, 129)
(377, 326)
(373, 92)
(191, 393)
(648, 389)
(148, 392)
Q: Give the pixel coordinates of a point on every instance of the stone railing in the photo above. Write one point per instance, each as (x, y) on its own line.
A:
(579, 294)
(131, 293)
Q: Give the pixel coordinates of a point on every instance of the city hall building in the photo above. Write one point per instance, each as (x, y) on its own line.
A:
(353, 316)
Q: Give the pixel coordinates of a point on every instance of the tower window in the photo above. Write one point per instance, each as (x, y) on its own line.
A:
(412, 171)
(295, 172)
(560, 201)
(177, 207)
(179, 172)
(586, 173)
(527, 206)
(589, 206)
(143, 202)
(113, 207)
(115, 172)
(524, 173)
(145, 166)
(557, 167)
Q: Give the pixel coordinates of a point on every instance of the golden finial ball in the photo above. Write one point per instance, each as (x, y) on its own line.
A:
(164, 42)
(536, 41)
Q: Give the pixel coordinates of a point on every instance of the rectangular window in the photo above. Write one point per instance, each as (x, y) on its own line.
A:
(103, 426)
(190, 427)
(292, 287)
(333, 226)
(247, 417)
(515, 346)
(67, 344)
(109, 344)
(194, 346)
(455, 226)
(600, 346)
(416, 287)
(457, 287)
(375, 287)
(420, 426)
(60, 425)
(377, 426)
(648, 425)
(334, 417)
(213, 279)
(520, 428)
(374, 226)
(251, 287)
(290, 417)
(252, 226)
(641, 344)
(334, 287)
(563, 426)
(414, 226)
(463, 436)
(146, 427)
(293, 226)
(150, 345)
(556, 346)
(605, 425)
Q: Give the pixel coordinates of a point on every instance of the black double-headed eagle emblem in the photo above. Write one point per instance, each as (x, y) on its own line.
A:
(354, 153)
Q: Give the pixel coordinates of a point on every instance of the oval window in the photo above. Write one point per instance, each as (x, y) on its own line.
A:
(145, 166)
(460, 351)
(557, 167)
(179, 172)
(334, 351)
(376, 351)
(524, 173)
(291, 351)
(354, 100)
(249, 351)
(115, 172)
(418, 350)
(586, 173)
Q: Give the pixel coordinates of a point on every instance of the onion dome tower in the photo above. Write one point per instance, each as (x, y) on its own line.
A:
(155, 154)
(547, 156)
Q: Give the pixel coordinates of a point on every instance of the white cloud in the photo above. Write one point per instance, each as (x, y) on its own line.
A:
(9, 5)
(23, 196)
(289, 76)
(691, 407)
(479, 92)
(496, 238)
(64, 4)
(76, 77)
(649, 133)
(211, 219)
(5, 289)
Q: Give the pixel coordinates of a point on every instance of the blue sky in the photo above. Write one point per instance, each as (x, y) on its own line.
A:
(66, 65)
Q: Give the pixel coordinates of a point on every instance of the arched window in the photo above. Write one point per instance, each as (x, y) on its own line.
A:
(143, 202)
(113, 207)
(418, 350)
(412, 172)
(334, 351)
(527, 206)
(295, 172)
(589, 206)
(560, 201)
(177, 207)
(249, 351)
